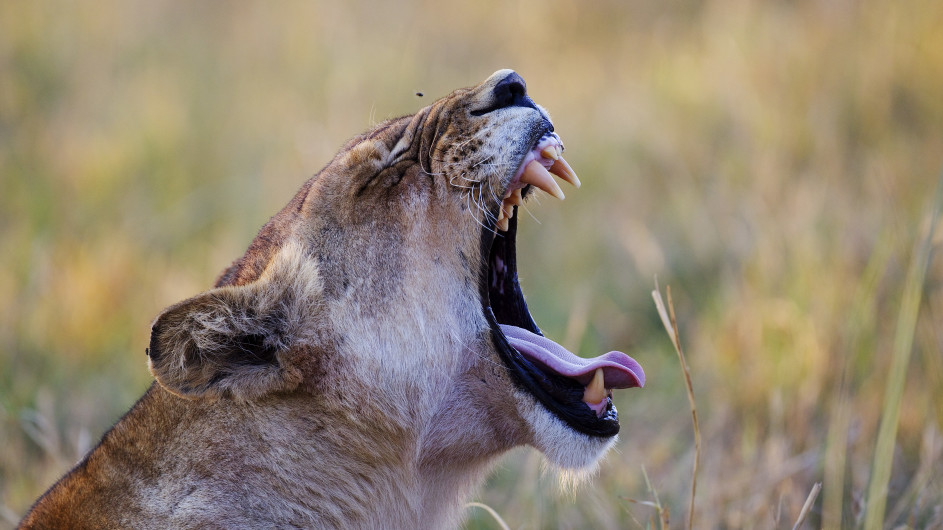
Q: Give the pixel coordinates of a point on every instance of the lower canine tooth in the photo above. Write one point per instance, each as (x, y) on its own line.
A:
(595, 391)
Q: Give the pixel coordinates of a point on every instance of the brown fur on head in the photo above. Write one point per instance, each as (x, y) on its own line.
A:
(377, 255)
(355, 339)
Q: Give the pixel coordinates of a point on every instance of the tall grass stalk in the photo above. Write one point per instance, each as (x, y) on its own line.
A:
(671, 326)
(903, 342)
(857, 325)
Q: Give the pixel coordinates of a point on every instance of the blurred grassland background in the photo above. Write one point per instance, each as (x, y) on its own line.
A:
(771, 161)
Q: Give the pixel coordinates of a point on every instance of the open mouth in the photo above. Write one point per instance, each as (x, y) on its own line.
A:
(577, 390)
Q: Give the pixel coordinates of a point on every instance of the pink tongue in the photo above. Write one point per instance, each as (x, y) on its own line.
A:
(619, 370)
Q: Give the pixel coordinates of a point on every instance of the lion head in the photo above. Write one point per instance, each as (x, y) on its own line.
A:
(387, 291)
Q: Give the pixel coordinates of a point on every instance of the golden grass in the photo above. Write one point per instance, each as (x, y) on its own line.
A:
(670, 323)
(771, 161)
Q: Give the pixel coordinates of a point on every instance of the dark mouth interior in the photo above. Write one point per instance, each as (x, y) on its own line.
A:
(504, 303)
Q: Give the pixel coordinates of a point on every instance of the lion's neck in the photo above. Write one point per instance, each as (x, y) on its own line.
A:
(312, 462)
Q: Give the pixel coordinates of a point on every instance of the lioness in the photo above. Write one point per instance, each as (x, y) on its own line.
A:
(371, 354)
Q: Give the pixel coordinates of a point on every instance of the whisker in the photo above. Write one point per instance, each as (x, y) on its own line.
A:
(526, 209)
(468, 209)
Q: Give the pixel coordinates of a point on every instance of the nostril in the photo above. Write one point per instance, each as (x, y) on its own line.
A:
(509, 91)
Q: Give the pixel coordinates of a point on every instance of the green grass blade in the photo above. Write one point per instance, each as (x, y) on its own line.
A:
(903, 341)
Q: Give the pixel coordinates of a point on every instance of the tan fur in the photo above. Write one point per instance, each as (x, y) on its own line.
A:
(341, 373)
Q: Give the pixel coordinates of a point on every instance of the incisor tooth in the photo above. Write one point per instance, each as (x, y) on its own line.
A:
(551, 151)
(563, 170)
(595, 391)
(502, 222)
(535, 173)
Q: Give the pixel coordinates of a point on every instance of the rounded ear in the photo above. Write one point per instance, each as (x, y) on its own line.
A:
(230, 341)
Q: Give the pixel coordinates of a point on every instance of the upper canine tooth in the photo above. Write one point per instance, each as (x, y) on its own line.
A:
(563, 170)
(595, 391)
(535, 173)
(550, 152)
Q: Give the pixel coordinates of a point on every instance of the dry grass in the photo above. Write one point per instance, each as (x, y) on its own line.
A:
(772, 161)
(671, 326)
(807, 507)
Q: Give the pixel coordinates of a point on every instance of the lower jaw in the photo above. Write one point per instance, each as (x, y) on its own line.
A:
(558, 395)
(562, 446)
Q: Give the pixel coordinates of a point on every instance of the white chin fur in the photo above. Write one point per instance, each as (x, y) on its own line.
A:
(563, 447)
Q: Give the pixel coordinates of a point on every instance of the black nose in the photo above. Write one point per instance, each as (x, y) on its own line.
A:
(510, 91)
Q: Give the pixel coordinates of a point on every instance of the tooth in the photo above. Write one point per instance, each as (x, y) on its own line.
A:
(535, 173)
(563, 170)
(515, 198)
(550, 152)
(508, 209)
(595, 391)
(502, 222)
